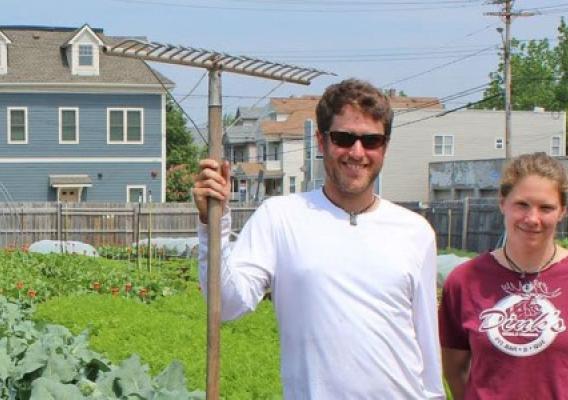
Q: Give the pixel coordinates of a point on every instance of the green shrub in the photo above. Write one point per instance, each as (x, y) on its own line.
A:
(174, 328)
(44, 361)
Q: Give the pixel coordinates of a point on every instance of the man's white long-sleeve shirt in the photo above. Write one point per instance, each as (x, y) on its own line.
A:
(356, 305)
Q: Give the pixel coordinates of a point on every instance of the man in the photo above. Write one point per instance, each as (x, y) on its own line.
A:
(352, 275)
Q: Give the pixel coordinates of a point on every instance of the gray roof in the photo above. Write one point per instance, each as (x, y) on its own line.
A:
(241, 134)
(251, 112)
(37, 55)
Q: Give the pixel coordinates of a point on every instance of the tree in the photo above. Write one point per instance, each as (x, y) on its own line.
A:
(539, 76)
(180, 148)
(562, 56)
(182, 155)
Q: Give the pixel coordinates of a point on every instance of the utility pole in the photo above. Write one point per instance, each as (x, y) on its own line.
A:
(215, 63)
(507, 15)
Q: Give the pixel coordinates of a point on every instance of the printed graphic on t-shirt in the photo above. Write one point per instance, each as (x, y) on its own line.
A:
(524, 322)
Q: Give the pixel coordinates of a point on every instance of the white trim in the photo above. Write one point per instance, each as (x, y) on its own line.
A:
(82, 87)
(56, 160)
(84, 28)
(559, 145)
(443, 136)
(71, 185)
(61, 109)
(128, 187)
(4, 38)
(9, 130)
(125, 111)
(163, 177)
(4, 42)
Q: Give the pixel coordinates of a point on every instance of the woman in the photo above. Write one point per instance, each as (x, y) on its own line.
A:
(503, 314)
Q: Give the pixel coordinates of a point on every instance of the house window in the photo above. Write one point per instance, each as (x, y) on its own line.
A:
(68, 125)
(125, 125)
(262, 152)
(292, 184)
(443, 145)
(555, 146)
(135, 194)
(461, 194)
(499, 143)
(17, 125)
(442, 194)
(85, 55)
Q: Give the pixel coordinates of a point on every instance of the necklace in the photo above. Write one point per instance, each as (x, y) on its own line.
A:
(352, 214)
(523, 272)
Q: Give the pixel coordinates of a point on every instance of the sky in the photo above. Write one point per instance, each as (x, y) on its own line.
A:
(434, 48)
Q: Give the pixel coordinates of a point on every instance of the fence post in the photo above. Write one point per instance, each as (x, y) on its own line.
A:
(58, 221)
(449, 226)
(465, 223)
(133, 238)
(138, 231)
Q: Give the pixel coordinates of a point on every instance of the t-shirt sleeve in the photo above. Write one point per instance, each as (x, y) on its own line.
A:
(450, 316)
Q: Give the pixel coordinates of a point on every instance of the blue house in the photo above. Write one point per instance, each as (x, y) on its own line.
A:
(75, 123)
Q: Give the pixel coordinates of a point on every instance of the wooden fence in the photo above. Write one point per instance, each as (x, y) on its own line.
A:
(469, 224)
(100, 224)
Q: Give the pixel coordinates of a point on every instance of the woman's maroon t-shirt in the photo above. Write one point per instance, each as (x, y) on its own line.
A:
(515, 329)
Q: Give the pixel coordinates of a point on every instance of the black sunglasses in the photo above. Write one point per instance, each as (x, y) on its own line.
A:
(369, 141)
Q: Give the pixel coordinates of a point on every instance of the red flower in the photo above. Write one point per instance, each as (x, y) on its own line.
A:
(20, 285)
(97, 286)
(143, 293)
(32, 293)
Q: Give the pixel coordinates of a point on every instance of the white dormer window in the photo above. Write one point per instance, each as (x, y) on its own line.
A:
(4, 42)
(82, 52)
(85, 55)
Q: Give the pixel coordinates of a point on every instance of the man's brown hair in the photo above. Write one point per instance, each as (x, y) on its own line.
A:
(359, 94)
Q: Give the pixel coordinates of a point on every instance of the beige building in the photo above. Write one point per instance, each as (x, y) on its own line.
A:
(423, 137)
(276, 145)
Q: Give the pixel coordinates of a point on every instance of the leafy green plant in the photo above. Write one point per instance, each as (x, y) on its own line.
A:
(119, 328)
(45, 361)
(37, 277)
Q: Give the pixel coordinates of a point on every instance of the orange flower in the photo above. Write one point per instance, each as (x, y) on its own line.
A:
(32, 293)
(128, 287)
(20, 285)
(115, 291)
(97, 286)
(25, 248)
(143, 293)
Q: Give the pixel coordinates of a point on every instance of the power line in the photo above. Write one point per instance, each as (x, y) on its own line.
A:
(446, 112)
(438, 67)
(194, 87)
(351, 9)
(176, 102)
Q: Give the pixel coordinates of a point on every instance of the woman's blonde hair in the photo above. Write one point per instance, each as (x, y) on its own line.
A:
(538, 164)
